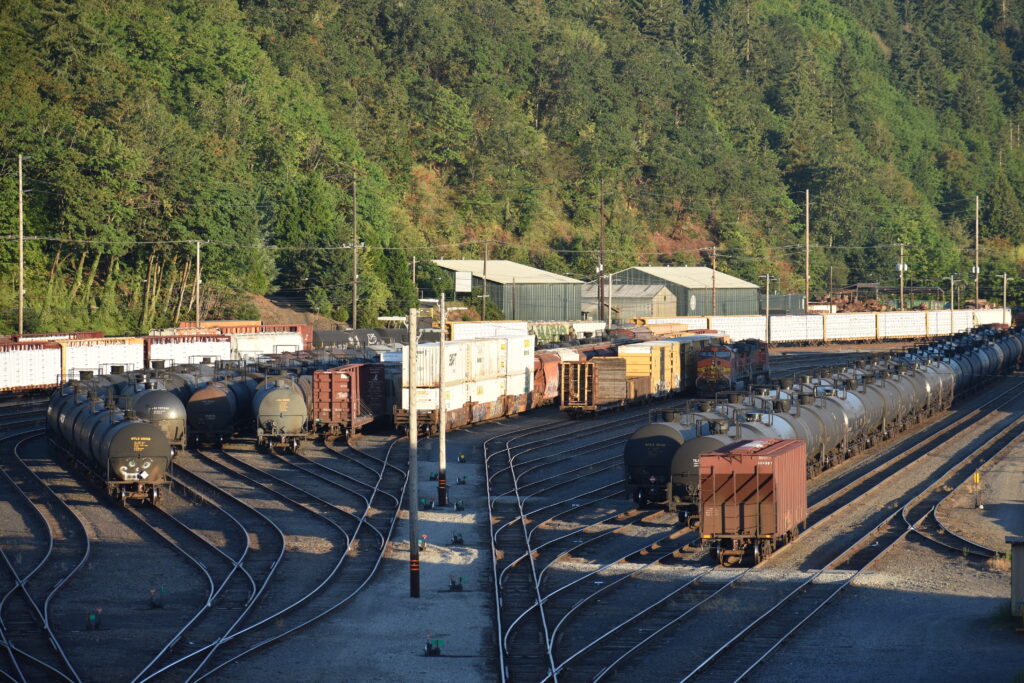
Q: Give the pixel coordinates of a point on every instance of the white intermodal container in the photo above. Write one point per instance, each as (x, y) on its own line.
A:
(428, 371)
(797, 328)
(850, 327)
(487, 390)
(520, 352)
(990, 316)
(456, 396)
(193, 349)
(99, 354)
(565, 355)
(487, 359)
(487, 329)
(902, 325)
(739, 327)
(29, 365)
(250, 345)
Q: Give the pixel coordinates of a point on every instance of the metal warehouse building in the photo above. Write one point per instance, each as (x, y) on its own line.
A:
(523, 292)
(631, 301)
(692, 289)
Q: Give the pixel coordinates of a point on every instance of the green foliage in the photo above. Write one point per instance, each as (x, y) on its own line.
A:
(243, 125)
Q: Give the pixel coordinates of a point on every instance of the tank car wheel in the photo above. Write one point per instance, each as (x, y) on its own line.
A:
(757, 553)
(122, 497)
(154, 496)
(639, 497)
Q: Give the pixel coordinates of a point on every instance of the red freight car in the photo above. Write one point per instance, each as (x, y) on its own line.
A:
(599, 384)
(753, 495)
(347, 398)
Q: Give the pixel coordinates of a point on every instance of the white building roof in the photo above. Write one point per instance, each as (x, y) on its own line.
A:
(697, 277)
(505, 272)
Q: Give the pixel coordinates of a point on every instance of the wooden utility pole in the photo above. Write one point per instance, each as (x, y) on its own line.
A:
(355, 257)
(21, 251)
(600, 258)
(415, 289)
(977, 268)
(902, 267)
(714, 280)
(807, 251)
(414, 541)
(442, 413)
(198, 275)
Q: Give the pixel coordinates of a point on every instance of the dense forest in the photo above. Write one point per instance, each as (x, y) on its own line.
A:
(252, 126)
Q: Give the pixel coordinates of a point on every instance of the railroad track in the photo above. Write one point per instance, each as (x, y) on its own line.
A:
(36, 571)
(257, 612)
(739, 655)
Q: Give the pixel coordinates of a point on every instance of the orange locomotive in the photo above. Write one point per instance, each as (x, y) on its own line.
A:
(724, 367)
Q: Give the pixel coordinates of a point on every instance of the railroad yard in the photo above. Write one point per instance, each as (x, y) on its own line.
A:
(264, 563)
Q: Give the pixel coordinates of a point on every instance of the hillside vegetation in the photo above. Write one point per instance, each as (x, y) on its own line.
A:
(149, 125)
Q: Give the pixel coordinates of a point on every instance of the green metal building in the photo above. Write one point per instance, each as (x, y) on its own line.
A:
(692, 288)
(522, 292)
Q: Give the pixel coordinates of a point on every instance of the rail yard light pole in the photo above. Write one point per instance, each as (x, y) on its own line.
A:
(21, 251)
(414, 543)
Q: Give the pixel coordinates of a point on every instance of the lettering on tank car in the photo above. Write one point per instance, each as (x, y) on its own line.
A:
(282, 403)
(140, 443)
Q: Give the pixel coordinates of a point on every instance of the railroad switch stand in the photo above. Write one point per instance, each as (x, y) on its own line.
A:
(433, 648)
(456, 539)
(462, 457)
(426, 503)
(461, 481)
(433, 476)
(455, 586)
(459, 505)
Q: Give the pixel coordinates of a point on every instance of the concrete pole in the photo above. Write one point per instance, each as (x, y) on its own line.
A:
(767, 310)
(807, 251)
(414, 494)
(1004, 299)
(600, 259)
(442, 414)
(951, 281)
(714, 283)
(487, 256)
(903, 267)
(21, 252)
(977, 253)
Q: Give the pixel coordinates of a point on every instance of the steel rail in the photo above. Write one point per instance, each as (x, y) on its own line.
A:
(43, 614)
(846, 555)
(364, 521)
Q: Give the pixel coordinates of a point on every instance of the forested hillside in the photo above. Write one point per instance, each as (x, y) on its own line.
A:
(148, 125)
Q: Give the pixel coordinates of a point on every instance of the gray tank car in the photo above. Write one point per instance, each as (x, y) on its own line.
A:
(281, 408)
(837, 412)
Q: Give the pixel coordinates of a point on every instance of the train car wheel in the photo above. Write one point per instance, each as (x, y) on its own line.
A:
(154, 496)
(757, 553)
(122, 497)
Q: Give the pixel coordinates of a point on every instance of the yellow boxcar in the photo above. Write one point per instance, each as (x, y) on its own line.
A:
(645, 360)
(671, 368)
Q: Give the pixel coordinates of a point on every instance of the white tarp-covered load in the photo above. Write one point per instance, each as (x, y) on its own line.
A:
(27, 365)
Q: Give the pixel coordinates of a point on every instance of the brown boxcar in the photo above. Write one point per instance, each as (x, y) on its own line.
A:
(595, 385)
(347, 398)
(753, 496)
